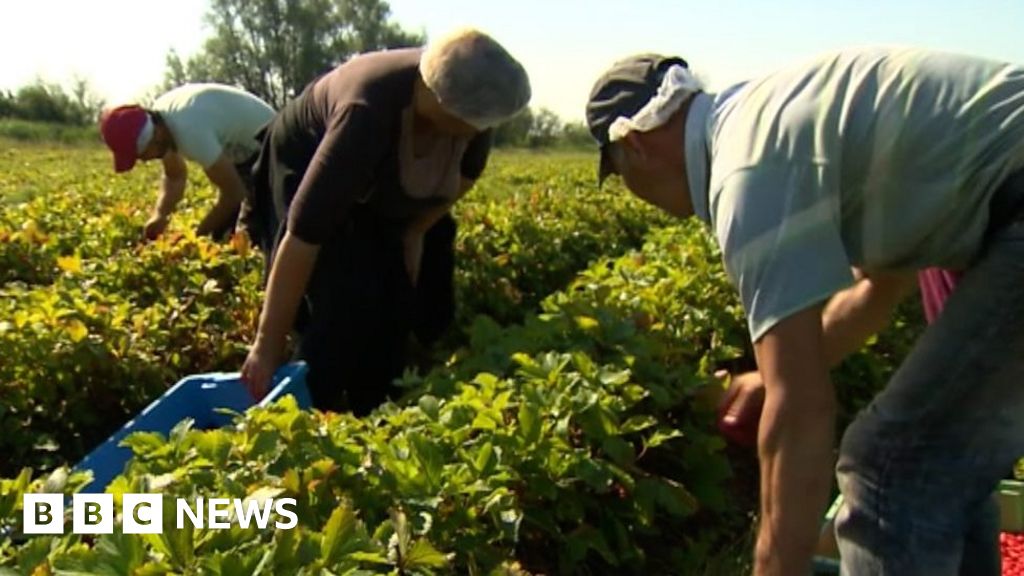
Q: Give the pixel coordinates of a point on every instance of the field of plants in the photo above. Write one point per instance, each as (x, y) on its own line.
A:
(565, 428)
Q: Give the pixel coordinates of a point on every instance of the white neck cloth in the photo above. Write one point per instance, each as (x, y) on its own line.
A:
(145, 135)
(676, 86)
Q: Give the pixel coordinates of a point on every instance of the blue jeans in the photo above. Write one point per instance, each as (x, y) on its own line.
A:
(919, 466)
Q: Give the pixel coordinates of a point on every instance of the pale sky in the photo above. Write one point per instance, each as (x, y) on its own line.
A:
(120, 45)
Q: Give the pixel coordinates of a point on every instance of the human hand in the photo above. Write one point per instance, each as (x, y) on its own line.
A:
(154, 227)
(258, 369)
(739, 410)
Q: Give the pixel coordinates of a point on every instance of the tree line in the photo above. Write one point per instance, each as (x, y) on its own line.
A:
(273, 48)
(42, 101)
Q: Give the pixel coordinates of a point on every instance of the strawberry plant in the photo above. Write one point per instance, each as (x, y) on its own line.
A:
(567, 433)
(526, 233)
(94, 323)
(573, 453)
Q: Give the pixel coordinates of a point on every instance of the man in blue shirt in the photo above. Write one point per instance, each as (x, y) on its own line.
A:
(828, 185)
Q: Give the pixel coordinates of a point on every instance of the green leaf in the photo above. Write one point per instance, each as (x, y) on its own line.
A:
(660, 437)
(234, 563)
(609, 378)
(403, 534)
(285, 551)
(586, 538)
(485, 460)
(484, 421)
(598, 422)
(291, 481)
(342, 535)
(13, 491)
(430, 406)
(145, 443)
(120, 553)
(529, 423)
(339, 528)
(56, 481)
(34, 553)
(485, 380)
(638, 423)
(620, 451)
(369, 557)
(214, 445)
(178, 544)
(586, 323)
(430, 457)
(596, 475)
(676, 499)
(666, 494)
(263, 443)
(76, 330)
(523, 360)
(152, 569)
(180, 430)
(424, 555)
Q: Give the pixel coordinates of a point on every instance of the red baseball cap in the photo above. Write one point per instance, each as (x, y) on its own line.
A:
(121, 128)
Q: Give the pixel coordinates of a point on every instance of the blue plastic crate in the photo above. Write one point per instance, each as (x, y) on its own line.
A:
(198, 397)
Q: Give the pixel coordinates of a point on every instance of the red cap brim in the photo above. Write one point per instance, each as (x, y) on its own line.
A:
(124, 162)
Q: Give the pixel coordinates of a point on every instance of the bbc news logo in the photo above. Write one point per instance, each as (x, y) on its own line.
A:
(144, 513)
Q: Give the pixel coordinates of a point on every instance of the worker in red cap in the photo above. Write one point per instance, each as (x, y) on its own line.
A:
(212, 125)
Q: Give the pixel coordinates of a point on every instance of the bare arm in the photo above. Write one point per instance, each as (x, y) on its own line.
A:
(289, 275)
(231, 193)
(795, 443)
(172, 187)
(862, 310)
(172, 190)
(849, 318)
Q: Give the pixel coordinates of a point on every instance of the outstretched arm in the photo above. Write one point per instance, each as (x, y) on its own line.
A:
(289, 275)
(795, 442)
(172, 190)
(848, 320)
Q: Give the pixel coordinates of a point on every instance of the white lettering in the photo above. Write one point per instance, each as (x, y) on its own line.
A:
(293, 518)
(219, 508)
(185, 510)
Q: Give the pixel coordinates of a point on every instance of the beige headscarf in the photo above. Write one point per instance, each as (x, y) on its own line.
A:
(475, 78)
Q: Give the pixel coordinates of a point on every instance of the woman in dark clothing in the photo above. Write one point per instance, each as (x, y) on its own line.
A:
(357, 175)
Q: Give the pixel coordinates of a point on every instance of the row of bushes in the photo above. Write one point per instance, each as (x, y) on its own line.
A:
(578, 442)
(573, 443)
(95, 324)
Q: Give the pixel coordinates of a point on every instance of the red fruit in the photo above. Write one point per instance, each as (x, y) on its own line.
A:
(740, 429)
(1012, 548)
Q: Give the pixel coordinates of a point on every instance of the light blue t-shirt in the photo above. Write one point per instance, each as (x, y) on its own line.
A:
(880, 158)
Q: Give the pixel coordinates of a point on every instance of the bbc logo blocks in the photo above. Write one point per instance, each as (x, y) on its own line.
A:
(92, 514)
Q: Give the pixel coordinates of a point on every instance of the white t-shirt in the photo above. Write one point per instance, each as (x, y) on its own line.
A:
(207, 120)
